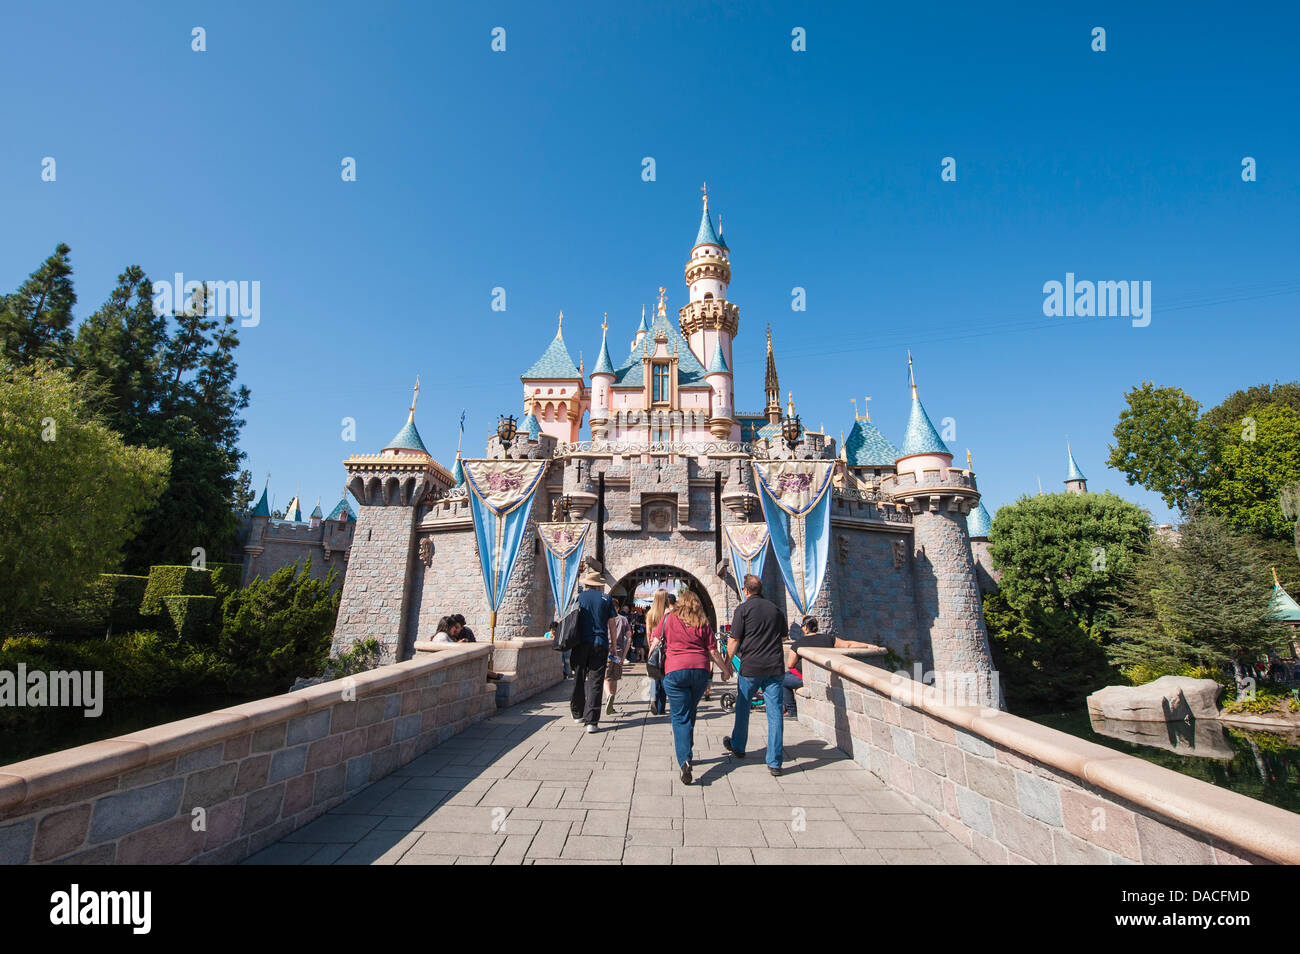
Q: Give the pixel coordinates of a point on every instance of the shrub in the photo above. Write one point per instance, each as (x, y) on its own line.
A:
(126, 595)
(167, 581)
(364, 655)
(192, 618)
(226, 578)
(279, 628)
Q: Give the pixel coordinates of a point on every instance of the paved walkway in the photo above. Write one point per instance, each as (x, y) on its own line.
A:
(528, 786)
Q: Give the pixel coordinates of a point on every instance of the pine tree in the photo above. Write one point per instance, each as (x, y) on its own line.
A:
(35, 320)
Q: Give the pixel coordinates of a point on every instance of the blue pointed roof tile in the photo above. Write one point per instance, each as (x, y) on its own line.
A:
(604, 365)
(531, 427)
(978, 522)
(718, 364)
(408, 438)
(689, 370)
(262, 508)
(342, 507)
(867, 447)
(1074, 472)
(706, 234)
(458, 472)
(920, 436)
(555, 363)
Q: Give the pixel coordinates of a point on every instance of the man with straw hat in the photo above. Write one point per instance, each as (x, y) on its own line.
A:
(595, 609)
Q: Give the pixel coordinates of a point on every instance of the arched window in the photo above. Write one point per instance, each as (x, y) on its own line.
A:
(661, 390)
(708, 296)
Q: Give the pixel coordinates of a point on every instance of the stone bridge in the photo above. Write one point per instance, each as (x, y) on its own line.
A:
(426, 761)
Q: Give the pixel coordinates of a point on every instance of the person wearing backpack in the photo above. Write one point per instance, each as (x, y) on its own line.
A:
(690, 652)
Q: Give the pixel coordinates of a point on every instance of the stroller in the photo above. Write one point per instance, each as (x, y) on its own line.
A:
(729, 696)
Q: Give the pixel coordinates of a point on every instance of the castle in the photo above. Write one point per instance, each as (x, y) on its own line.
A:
(665, 461)
(268, 543)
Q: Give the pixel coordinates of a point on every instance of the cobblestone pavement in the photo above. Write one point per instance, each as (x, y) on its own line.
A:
(528, 786)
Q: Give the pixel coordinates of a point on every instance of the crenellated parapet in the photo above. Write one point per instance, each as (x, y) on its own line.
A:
(394, 480)
(709, 315)
(931, 489)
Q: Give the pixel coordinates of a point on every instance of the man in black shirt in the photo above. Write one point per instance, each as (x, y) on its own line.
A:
(809, 637)
(595, 608)
(757, 629)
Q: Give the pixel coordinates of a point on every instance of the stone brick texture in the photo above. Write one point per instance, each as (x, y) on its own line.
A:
(255, 786)
(1004, 806)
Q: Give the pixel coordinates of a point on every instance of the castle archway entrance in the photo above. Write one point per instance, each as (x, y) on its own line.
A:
(639, 586)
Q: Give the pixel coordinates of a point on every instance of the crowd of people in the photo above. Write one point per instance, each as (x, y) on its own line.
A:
(754, 649)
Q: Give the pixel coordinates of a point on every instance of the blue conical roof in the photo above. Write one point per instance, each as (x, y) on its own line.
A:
(604, 364)
(555, 363)
(978, 523)
(531, 427)
(1283, 607)
(457, 473)
(317, 511)
(408, 438)
(718, 364)
(920, 436)
(706, 234)
(1074, 472)
(293, 511)
(344, 506)
(262, 508)
(867, 447)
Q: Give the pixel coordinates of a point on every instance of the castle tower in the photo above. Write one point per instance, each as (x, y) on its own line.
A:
(555, 386)
(708, 318)
(641, 331)
(771, 384)
(390, 487)
(1075, 482)
(948, 606)
(721, 424)
(602, 379)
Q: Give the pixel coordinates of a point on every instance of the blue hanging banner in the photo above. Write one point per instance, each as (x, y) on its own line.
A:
(563, 542)
(747, 544)
(797, 506)
(501, 497)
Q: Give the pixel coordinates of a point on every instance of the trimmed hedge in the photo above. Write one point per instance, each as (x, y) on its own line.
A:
(226, 577)
(125, 594)
(167, 581)
(192, 618)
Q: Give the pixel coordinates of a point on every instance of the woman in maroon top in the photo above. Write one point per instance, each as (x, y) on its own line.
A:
(689, 654)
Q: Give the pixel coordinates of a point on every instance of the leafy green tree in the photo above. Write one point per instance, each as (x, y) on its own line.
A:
(1256, 458)
(1160, 444)
(121, 345)
(71, 491)
(1147, 636)
(35, 320)
(279, 628)
(1063, 556)
(1208, 603)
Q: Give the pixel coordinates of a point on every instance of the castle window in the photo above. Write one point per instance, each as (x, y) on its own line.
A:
(661, 387)
(708, 296)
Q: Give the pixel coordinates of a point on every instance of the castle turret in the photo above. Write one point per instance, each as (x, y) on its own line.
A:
(641, 331)
(948, 603)
(556, 388)
(1075, 482)
(771, 384)
(708, 318)
(721, 424)
(390, 487)
(316, 516)
(602, 379)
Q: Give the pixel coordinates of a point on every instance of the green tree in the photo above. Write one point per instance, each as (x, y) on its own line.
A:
(1256, 458)
(72, 491)
(1063, 556)
(35, 320)
(277, 629)
(1160, 444)
(1208, 601)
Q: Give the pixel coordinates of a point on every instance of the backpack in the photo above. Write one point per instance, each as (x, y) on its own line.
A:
(567, 637)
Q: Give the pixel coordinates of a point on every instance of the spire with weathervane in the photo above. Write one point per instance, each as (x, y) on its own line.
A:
(771, 384)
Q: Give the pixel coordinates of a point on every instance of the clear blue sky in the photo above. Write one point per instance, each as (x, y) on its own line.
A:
(522, 169)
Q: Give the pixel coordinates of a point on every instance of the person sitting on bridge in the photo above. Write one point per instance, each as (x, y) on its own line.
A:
(812, 639)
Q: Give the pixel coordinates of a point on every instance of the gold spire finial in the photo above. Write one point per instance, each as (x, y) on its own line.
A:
(911, 375)
(560, 330)
(1276, 581)
(789, 396)
(968, 464)
(415, 396)
(705, 189)
(604, 322)
(662, 292)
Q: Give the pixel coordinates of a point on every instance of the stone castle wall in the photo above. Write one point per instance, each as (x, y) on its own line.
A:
(375, 589)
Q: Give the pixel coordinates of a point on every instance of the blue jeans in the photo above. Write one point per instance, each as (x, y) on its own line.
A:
(790, 682)
(564, 657)
(684, 689)
(661, 697)
(748, 687)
